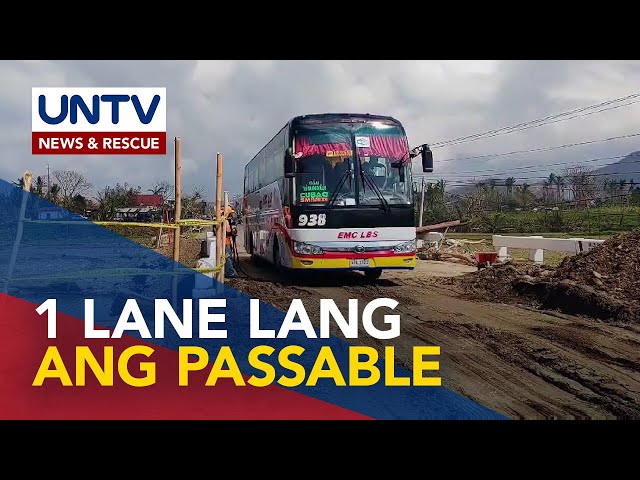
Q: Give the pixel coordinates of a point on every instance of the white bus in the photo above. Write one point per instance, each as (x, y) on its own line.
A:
(334, 192)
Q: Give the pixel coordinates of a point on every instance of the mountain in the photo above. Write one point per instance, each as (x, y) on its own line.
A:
(627, 168)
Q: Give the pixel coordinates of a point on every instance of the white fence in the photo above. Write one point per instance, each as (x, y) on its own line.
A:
(537, 245)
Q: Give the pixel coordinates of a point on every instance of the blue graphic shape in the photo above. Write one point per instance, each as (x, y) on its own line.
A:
(64, 256)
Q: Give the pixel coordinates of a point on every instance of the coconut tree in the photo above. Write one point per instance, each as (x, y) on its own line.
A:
(509, 183)
(551, 181)
(559, 181)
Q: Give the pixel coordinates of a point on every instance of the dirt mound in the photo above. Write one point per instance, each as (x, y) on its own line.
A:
(500, 283)
(602, 283)
(612, 268)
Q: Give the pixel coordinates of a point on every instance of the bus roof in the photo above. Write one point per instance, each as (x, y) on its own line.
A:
(316, 118)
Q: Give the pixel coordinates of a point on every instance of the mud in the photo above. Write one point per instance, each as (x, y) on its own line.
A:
(602, 283)
(515, 358)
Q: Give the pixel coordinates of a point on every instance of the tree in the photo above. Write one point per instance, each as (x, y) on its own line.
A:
(162, 188)
(35, 188)
(622, 184)
(509, 183)
(435, 202)
(38, 189)
(71, 183)
(525, 196)
(111, 198)
(193, 204)
(551, 183)
(581, 183)
(559, 181)
(545, 191)
(79, 204)
(54, 193)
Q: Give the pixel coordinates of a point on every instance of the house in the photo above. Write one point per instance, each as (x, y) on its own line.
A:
(138, 214)
(144, 208)
(50, 213)
(148, 201)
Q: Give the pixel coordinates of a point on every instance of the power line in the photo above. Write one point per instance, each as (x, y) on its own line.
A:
(547, 123)
(483, 174)
(541, 149)
(533, 122)
(568, 115)
(526, 167)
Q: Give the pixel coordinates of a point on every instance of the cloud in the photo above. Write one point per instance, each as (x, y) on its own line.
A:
(235, 107)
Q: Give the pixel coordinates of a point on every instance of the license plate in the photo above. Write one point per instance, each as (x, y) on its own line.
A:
(359, 262)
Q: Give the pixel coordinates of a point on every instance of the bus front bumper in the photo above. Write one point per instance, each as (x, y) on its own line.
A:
(390, 262)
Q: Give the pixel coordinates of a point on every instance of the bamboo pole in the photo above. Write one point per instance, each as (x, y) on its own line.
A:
(26, 187)
(224, 232)
(220, 226)
(177, 212)
(178, 198)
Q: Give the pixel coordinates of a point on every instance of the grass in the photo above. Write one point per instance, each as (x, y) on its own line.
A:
(579, 222)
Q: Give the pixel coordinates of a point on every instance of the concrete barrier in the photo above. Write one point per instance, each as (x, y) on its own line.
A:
(538, 244)
(433, 238)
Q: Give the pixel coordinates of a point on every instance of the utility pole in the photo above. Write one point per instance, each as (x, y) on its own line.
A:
(422, 203)
(48, 183)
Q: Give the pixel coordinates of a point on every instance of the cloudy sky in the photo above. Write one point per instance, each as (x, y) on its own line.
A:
(234, 107)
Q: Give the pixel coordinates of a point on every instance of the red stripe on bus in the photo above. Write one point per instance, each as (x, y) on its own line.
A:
(379, 253)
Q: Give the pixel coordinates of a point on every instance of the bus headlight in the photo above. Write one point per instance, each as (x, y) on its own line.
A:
(406, 247)
(306, 248)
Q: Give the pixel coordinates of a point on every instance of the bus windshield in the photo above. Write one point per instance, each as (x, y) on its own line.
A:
(329, 172)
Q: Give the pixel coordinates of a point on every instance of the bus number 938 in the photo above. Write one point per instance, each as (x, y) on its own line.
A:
(312, 220)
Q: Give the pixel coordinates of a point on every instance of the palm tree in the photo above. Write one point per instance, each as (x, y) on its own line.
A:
(621, 185)
(559, 184)
(53, 194)
(525, 194)
(551, 181)
(545, 191)
(39, 186)
(509, 183)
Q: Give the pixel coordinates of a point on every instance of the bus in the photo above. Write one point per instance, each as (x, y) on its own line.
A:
(334, 191)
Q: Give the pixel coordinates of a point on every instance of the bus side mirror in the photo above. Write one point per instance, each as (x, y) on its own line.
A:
(289, 165)
(427, 159)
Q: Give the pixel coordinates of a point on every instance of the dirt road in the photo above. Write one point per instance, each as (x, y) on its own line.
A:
(514, 360)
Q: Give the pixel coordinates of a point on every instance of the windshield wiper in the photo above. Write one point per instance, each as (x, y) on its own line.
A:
(343, 178)
(376, 190)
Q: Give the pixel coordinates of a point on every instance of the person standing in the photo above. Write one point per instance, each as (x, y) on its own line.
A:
(231, 231)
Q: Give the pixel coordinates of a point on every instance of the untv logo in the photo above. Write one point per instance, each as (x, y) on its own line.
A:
(98, 121)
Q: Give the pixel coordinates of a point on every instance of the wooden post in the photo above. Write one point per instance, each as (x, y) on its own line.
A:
(178, 198)
(220, 226)
(26, 187)
(422, 203)
(177, 212)
(224, 233)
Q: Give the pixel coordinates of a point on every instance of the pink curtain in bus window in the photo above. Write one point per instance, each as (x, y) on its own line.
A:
(304, 148)
(393, 147)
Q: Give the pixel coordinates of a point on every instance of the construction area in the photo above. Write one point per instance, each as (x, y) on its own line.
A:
(529, 341)
(527, 336)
